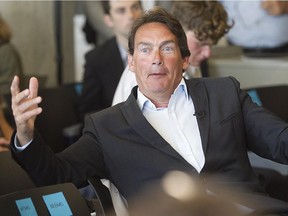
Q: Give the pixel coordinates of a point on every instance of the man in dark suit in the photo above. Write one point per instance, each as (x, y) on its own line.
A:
(203, 127)
(105, 63)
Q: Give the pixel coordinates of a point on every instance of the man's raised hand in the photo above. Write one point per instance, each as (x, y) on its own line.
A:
(25, 108)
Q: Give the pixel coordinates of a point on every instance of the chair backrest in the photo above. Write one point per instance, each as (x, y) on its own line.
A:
(60, 116)
(103, 196)
(13, 177)
(62, 199)
(59, 112)
(274, 99)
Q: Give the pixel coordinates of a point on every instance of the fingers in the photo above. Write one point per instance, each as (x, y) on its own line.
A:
(31, 92)
(23, 101)
(33, 87)
(26, 99)
(30, 106)
(25, 108)
(17, 96)
(15, 86)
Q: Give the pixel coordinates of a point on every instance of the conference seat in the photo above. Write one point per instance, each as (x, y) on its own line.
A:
(13, 178)
(272, 175)
(61, 199)
(273, 98)
(59, 123)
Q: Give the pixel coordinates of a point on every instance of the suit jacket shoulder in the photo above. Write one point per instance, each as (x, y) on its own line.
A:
(104, 51)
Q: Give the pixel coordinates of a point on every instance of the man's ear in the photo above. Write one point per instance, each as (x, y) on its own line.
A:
(108, 21)
(185, 63)
(131, 63)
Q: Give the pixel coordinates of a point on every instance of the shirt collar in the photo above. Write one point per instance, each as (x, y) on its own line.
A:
(143, 101)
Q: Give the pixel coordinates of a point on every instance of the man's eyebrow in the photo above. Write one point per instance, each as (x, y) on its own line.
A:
(144, 44)
(162, 43)
(167, 42)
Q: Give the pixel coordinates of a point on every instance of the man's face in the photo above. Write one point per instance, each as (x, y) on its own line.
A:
(122, 15)
(200, 50)
(157, 61)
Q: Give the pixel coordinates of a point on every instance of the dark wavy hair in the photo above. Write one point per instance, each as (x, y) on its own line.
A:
(160, 15)
(207, 19)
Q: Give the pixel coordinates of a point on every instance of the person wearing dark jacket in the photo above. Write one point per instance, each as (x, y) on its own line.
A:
(201, 126)
(105, 64)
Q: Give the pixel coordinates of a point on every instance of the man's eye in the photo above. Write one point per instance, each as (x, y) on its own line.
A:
(144, 50)
(168, 49)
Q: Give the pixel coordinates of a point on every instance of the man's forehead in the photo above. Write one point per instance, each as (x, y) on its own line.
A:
(153, 28)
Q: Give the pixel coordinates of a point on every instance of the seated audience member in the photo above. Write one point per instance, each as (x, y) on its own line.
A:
(202, 127)
(6, 132)
(204, 22)
(105, 64)
(10, 63)
(260, 26)
(6, 129)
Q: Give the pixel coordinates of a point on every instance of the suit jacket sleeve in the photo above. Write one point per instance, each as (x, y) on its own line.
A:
(81, 160)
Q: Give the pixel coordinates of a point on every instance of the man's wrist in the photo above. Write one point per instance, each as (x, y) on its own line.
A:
(17, 145)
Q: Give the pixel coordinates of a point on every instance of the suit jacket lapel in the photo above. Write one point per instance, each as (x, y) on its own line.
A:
(139, 123)
(197, 91)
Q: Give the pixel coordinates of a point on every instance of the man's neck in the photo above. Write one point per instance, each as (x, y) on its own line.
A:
(160, 100)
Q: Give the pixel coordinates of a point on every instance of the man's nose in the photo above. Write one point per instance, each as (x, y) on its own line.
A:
(157, 58)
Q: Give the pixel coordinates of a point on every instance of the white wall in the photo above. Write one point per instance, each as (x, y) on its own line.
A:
(250, 72)
(32, 24)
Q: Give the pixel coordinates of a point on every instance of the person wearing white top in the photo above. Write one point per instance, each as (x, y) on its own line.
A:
(258, 23)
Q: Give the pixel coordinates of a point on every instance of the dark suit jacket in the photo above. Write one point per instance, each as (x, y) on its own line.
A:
(103, 69)
(119, 144)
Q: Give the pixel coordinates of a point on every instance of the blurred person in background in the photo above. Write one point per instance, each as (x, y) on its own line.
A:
(6, 130)
(10, 65)
(260, 27)
(105, 63)
(181, 195)
(10, 62)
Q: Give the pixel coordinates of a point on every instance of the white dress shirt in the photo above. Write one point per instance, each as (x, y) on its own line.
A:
(171, 123)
